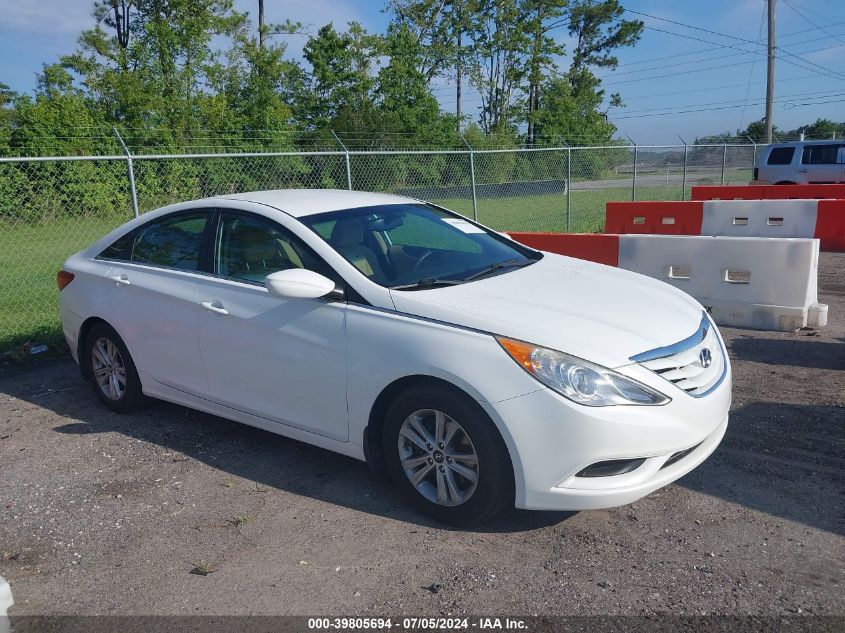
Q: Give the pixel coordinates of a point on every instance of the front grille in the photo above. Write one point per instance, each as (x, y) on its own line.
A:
(683, 364)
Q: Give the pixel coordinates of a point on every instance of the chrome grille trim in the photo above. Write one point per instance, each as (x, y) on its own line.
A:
(679, 363)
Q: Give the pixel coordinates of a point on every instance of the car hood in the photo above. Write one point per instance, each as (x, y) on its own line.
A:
(596, 312)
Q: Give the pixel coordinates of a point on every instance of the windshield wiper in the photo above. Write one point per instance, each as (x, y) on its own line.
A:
(508, 263)
(429, 282)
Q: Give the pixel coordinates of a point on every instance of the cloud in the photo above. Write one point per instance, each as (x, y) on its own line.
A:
(47, 17)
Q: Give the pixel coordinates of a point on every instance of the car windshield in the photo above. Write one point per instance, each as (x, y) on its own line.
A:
(415, 246)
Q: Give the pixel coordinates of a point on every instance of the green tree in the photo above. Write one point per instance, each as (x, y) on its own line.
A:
(497, 69)
(340, 73)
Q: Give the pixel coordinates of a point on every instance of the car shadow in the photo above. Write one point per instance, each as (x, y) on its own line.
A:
(265, 458)
(781, 459)
(794, 352)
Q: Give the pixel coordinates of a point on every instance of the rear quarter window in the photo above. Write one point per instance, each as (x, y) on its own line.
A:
(821, 155)
(172, 241)
(781, 156)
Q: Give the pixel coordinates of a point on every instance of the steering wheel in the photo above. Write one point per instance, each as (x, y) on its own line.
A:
(419, 262)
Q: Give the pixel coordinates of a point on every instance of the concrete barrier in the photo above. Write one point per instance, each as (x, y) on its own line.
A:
(6, 601)
(820, 219)
(830, 225)
(767, 192)
(760, 218)
(662, 218)
(767, 284)
(594, 247)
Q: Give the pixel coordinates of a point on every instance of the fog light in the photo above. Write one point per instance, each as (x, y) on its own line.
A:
(611, 467)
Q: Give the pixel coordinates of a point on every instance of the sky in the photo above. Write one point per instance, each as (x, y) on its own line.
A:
(677, 83)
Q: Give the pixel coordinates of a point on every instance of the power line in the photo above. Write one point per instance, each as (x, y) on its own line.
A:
(751, 72)
(739, 102)
(699, 70)
(806, 19)
(614, 73)
(733, 37)
(826, 73)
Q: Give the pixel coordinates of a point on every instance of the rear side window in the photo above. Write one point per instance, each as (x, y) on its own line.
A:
(821, 155)
(781, 156)
(172, 242)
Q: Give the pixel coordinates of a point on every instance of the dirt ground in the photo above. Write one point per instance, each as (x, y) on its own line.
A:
(108, 514)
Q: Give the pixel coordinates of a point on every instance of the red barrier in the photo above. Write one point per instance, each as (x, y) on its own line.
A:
(662, 218)
(595, 247)
(767, 192)
(830, 225)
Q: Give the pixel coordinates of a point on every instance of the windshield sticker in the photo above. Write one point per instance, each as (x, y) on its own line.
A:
(463, 225)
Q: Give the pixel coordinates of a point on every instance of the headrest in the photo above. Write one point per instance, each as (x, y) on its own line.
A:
(255, 243)
(348, 232)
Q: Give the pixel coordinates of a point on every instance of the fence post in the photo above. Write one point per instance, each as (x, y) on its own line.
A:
(634, 178)
(346, 156)
(472, 176)
(131, 170)
(568, 186)
(634, 174)
(753, 155)
(684, 179)
(724, 161)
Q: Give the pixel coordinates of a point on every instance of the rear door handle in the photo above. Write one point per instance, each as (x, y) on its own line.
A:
(122, 279)
(214, 306)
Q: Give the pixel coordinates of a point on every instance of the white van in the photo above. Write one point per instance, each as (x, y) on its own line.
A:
(800, 163)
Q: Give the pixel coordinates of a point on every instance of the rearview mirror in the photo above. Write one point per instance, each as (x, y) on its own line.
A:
(298, 283)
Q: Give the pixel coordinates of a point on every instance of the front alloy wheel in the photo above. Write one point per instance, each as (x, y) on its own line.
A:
(446, 455)
(438, 457)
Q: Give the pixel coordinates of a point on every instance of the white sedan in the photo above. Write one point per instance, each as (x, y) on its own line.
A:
(480, 373)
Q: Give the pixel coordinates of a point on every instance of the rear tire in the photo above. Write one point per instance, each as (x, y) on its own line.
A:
(446, 456)
(111, 371)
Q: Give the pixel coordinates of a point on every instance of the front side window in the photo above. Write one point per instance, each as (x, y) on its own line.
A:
(172, 242)
(821, 154)
(250, 248)
(415, 245)
(781, 156)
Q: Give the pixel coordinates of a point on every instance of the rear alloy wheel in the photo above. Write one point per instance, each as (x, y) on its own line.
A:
(446, 456)
(111, 370)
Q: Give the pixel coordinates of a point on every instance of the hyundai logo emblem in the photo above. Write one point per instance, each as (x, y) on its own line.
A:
(705, 358)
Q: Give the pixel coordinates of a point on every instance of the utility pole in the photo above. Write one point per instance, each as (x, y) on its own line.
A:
(458, 71)
(261, 23)
(770, 75)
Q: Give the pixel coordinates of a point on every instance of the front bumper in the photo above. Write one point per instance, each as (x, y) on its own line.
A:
(552, 439)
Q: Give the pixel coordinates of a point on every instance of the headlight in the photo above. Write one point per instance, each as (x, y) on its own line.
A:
(578, 380)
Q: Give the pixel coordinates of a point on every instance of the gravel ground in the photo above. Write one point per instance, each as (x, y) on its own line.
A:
(110, 514)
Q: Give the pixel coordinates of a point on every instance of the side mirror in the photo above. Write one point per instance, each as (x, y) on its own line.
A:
(299, 283)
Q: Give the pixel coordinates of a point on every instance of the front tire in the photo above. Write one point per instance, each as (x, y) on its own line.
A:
(111, 371)
(446, 456)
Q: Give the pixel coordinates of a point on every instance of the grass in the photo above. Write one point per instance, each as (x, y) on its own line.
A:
(30, 255)
(549, 212)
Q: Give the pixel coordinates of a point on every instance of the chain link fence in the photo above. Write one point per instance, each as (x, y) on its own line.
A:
(51, 207)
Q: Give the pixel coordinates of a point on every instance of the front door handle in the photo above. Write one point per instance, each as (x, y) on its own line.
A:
(122, 279)
(214, 306)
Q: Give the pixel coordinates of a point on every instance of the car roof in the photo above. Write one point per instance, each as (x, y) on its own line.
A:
(303, 202)
(797, 143)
